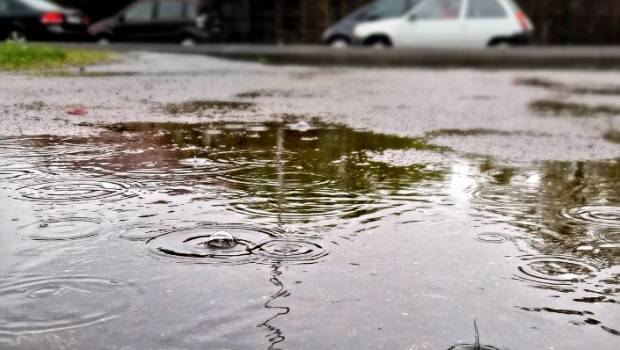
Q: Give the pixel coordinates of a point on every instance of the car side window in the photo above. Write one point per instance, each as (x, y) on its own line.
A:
(438, 9)
(4, 6)
(485, 9)
(387, 9)
(141, 12)
(170, 10)
(191, 11)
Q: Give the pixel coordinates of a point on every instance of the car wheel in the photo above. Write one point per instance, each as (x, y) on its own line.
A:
(378, 42)
(339, 43)
(188, 42)
(17, 35)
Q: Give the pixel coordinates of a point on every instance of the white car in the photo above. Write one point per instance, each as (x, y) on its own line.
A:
(452, 24)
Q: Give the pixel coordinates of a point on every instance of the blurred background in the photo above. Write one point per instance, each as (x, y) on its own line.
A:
(297, 21)
(303, 21)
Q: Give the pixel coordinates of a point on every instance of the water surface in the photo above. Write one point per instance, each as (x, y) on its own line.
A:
(341, 239)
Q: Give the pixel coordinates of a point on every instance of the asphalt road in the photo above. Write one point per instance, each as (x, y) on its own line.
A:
(501, 58)
(485, 111)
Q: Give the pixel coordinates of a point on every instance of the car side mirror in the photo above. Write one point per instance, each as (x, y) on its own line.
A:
(121, 19)
(413, 17)
(372, 17)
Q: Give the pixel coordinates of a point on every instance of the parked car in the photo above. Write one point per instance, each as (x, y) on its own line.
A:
(451, 23)
(341, 33)
(182, 21)
(22, 20)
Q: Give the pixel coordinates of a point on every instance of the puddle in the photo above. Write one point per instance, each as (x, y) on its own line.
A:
(200, 106)
(248, 233)
(561, 87)
(559, 108)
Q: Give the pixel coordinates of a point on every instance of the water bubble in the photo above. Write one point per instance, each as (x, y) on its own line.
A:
(36, 304)
(600, 215)
(555, 270)
(76, 191)
(63, 229)
(221, 240)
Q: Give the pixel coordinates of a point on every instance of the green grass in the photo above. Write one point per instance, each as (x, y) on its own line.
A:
(16, 57)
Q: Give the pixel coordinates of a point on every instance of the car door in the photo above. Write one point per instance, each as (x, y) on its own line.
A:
(170, 21)
(432, 23)
(136, 23)
(484, 20)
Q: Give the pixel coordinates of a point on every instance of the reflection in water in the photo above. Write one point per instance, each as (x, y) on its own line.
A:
(283, 192)
(275, 335)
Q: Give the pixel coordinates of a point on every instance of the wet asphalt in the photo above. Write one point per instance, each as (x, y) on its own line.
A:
(406, 102)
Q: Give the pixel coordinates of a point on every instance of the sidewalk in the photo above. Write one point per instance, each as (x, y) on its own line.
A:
(517, 57)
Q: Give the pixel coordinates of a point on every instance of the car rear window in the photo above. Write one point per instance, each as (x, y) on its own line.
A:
(169, 9)
(485, 9)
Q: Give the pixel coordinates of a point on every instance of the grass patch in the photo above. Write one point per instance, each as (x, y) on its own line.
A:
(17, 56)
(559, 108)
(205, 105)
(560, 87)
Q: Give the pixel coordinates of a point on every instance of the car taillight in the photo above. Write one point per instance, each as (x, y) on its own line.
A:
(52, 18)
(525, 25)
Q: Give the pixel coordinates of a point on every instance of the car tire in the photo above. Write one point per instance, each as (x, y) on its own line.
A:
(103, 39)
(188, 41)
(378, 42)
(16, 35)
(339, 43)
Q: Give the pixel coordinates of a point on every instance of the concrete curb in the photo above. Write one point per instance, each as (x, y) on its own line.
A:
(516, 57)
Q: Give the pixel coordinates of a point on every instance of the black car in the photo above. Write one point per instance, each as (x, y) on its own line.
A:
(182, 21)
(22, 20)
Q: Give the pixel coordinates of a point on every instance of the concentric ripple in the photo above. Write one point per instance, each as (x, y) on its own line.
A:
(41, 146)
(490, 237)
(203, 245)
(270, 177)
(291, 251)
(600, 215)
(76, 191)
(17, 171)
(555, 270)
(36, 304)
(191, 245)
(62, 229)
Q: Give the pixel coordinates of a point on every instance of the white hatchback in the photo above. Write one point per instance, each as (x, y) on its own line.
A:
(452, 24)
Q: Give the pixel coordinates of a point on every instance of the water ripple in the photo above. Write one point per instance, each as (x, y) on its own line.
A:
(62, 229)
(36, 304)
(600, 215)
(555, 270)
(248, 244)
(76, 191)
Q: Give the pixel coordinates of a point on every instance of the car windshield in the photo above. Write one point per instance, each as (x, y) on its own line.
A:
(388, 8)
(42, 5)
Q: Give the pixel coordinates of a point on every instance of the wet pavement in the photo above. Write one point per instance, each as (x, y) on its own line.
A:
(236, 228)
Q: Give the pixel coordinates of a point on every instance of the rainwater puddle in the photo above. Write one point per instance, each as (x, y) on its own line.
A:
(300, 236)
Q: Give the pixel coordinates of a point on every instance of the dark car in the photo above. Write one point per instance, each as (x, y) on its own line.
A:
(22, 20)
(182, 21)
(341, 33)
